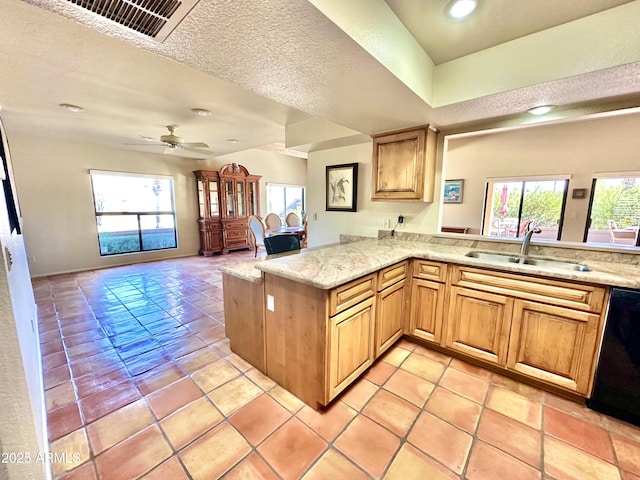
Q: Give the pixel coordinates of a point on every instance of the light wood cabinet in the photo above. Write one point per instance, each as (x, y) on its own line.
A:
(244, 319)
(427, 310)
(553, 344)
(391, 304)
(544, 329)
(428, 293)
(209, 223)
(350, 349)
(404, 165)
(318, 341)
(478, 324)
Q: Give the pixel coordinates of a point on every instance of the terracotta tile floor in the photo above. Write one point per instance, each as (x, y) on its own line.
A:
(140, 383)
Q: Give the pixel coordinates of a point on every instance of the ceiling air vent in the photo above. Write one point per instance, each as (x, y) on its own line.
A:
(154, 18)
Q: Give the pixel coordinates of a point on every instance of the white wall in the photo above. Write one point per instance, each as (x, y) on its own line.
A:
(370, 216)
(54, 187)
(580, 148)
(23, 417)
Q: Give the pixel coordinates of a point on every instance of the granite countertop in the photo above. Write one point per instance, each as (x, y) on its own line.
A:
(245, 270)
(330, 267)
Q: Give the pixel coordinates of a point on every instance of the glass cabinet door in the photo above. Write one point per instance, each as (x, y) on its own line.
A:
(251, 187)
(228, 190)
(241, 200)
(201, 198)
(213, 199)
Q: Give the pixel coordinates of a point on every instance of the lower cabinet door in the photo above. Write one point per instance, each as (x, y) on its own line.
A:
(390, 308)
(554, 344)
(427, 302)
(351, 345)
(478, 324)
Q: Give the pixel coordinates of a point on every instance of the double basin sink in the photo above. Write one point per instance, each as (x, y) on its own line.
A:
(538, 262)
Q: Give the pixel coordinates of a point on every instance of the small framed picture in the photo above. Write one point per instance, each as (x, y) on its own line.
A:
(453, 191)
(342, 187)
(579, 193)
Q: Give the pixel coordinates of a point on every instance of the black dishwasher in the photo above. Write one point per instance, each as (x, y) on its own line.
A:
(616, 390)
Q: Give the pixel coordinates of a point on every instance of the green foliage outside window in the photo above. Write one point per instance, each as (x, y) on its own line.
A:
(620, 203)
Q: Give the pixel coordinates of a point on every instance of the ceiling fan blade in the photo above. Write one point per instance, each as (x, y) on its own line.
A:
(201, 151)
(170, 150)
(147, 144)
(194, 144)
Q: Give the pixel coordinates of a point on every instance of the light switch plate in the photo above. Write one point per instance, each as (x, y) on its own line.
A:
(270, 303)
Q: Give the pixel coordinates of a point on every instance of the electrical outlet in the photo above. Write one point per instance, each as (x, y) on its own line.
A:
(270, 303)
(315, 215)
(386, 223)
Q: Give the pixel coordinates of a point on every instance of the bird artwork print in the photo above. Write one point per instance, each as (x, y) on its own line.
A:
(338, 193)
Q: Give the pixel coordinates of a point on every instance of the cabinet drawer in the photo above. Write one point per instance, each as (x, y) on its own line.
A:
(349, 294)
(235, 224)
(393, 274)
(236, 233)
(430, 270)
(573, 295)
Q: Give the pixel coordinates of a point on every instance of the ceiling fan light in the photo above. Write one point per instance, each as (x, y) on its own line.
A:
(201, 112)
(72, 108)
(458, 9)
(541, 109)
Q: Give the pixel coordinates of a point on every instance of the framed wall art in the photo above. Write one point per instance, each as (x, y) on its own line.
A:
(453, 191)
(342, 187)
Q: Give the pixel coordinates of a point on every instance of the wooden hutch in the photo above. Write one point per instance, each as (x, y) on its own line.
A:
(226, 199)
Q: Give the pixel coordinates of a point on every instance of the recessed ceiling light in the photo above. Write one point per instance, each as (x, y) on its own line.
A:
(201, 112)
(458, 9)
(148, 139)
(72, 108)
(541, 109)
(232, 140)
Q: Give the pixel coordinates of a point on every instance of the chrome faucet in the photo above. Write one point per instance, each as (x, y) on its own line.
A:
(526, 240)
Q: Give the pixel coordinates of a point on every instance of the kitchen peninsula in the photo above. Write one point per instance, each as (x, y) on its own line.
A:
(315, 321)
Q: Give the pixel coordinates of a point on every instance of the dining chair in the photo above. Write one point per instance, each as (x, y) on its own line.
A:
(305, 234)
(256, 227)
(272, 221)
(292, 220)
(281, 244)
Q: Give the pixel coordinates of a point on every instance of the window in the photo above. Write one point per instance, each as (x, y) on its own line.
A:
(614, 212)
(282, 199)
(513, 206)
(134, 213)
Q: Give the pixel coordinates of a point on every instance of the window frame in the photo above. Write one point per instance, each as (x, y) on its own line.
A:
(524, 180)
(137, 213)
(285, 186)
(588, 223)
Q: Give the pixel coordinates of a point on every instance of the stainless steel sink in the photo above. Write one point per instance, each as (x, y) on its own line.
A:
(558, 264)
(537, 262)
(495, 257)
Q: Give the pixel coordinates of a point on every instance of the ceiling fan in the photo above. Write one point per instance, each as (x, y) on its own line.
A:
(174, 143)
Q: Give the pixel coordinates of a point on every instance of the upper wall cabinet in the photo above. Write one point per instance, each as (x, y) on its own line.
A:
(404, 165)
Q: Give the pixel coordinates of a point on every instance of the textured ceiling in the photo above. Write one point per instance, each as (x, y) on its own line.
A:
(493, 22)
(260, 66)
